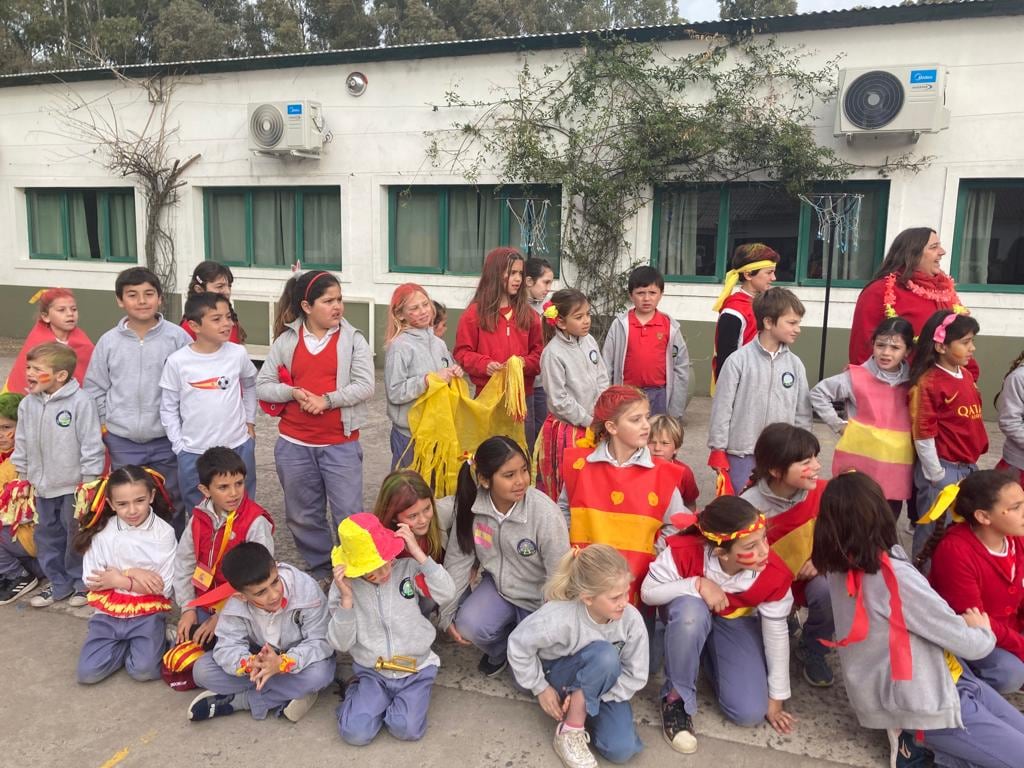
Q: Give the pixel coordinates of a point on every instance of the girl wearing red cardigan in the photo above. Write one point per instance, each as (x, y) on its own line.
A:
(498, 324)
(980, 564)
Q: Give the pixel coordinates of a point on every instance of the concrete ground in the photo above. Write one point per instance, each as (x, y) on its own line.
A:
(49, 719)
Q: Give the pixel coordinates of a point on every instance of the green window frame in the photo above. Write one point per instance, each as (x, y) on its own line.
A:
(440, 253)
(302, 223)
(722, 197)
(977, 207)
(82, 224)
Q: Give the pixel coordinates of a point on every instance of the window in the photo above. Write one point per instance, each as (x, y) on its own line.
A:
(273, 227)
(988, 239)
(697, 229)
(449, 230)
(82, 224)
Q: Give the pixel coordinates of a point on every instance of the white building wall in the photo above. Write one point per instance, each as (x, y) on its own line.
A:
(378, 141)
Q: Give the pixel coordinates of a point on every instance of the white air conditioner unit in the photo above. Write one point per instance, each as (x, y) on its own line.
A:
(886, 100)
(286, 128)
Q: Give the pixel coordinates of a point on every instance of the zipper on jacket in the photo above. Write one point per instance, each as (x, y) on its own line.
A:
(380, 613)
(501, 553)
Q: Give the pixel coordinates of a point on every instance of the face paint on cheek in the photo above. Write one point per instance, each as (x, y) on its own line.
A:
(44, 378)
(746, 558)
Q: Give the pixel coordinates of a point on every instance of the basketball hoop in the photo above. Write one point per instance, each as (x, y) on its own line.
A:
(532, 222)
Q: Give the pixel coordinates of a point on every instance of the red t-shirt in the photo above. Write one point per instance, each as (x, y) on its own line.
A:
(948, 408)
(687, 485)
(644, 365)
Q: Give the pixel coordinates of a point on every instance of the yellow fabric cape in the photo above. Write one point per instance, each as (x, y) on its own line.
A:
(447, 424)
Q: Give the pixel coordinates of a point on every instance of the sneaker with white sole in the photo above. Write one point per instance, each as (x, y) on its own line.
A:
(677, 726)
(14, 588)
(296, 708)
(209, 704)
(573, 748)
(44, 599)
(78, 599)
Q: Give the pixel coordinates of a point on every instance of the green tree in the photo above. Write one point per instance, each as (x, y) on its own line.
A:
(752, 9)
(340, 24)
(187, 30)
(615, 118)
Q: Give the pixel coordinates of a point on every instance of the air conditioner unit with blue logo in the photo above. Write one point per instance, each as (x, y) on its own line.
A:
(286, 128)
(887, 100)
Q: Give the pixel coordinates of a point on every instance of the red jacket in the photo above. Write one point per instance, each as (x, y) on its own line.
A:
(475, 348)
(967, 575)
(870, 312)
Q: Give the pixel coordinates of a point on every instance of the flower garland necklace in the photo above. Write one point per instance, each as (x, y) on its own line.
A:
(948, 296)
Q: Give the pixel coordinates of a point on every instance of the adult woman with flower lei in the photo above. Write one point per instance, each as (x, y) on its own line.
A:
(909, 284)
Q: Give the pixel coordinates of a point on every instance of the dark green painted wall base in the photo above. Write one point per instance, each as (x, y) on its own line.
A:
(98, 312)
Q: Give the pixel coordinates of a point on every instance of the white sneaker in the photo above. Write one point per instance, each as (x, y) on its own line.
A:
(572, 748)
(296, 708)
(78, 600)
(43, 600)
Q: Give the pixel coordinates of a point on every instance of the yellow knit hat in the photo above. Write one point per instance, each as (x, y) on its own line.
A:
(366, 545)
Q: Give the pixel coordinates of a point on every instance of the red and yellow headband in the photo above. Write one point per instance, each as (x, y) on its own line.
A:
(686, 520)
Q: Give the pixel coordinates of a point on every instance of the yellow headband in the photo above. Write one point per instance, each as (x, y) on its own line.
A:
(733, 275)
(721, 538)
(943, 502)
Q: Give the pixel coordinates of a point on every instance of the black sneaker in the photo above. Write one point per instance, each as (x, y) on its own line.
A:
(910, 754)
(208, 705)
(677, 727)
(817, 671)
(12, 589)
(489, 669)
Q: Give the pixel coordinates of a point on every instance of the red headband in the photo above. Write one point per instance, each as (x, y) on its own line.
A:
(613, 400)
(317, 276)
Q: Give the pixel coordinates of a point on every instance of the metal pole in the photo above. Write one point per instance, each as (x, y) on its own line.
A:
(826, 243)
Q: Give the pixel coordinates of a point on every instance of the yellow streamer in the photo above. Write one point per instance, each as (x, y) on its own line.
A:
(447, 424)
(942, 502)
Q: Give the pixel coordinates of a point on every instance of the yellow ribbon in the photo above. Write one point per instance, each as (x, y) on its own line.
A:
(732, 277)
(37, 295)
(942, 502)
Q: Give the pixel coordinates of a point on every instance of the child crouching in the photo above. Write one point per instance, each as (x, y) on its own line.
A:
(272, 653)
(584, 656)
(377, 618)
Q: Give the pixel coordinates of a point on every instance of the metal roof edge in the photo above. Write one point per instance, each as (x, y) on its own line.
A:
(885, 15)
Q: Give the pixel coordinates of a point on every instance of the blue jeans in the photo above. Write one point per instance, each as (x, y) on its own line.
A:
(136, 644)
(594, 670)
(486, 619)
(1001, 669)
(276, 692)
(373, 701)
(656, 396)
(402, 448)
(927, 492)
(188, 476)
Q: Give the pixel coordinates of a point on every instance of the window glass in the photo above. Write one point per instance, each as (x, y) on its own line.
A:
(688, 232)
(849, 229)
(991, 246)
(765, 215)
(226, 225)
(418, 228)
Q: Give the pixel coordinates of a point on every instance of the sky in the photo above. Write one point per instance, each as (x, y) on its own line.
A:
(707, 10)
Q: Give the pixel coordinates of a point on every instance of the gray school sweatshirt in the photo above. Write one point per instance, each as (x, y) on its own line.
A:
(929, 700)
(298, 629)
(355, 380)
(573, 374)
(755, 389)
(561, 628)
(385, 619)
(124, 377)
(677, 361)
(411, 355)
(1010, 405)
(58, 443)
(520, 550)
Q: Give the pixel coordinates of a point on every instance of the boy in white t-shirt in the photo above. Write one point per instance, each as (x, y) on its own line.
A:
(208, 395)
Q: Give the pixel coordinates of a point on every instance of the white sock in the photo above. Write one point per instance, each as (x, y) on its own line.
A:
(564, 726)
